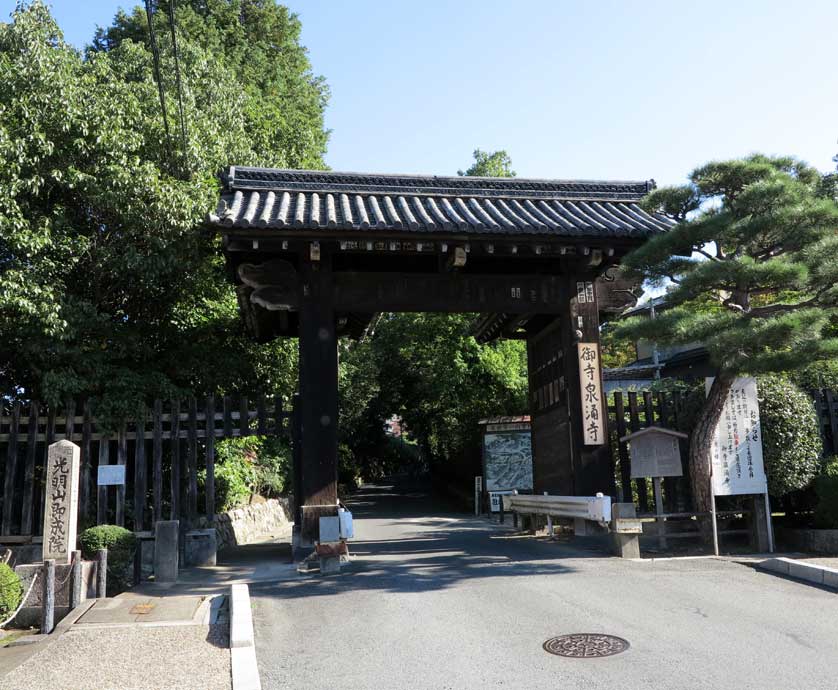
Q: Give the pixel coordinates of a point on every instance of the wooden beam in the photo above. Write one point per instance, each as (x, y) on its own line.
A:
(318, 391)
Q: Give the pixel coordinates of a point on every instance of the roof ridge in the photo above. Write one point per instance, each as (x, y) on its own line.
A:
(245, 177)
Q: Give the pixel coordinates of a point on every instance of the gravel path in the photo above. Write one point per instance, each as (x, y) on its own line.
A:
(135, 658)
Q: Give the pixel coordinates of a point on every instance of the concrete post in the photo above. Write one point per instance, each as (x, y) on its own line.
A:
(101, 573)
(626, 544)
(76, 581)
(48, 598)
(759, 525)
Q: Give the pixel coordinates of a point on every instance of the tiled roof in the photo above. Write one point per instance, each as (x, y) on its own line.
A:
(317, 200)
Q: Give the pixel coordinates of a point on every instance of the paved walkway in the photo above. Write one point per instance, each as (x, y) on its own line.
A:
(450, 601)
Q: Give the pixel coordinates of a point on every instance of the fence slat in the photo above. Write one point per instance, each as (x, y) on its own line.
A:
(244, 425)
(40, 502)
(84, 489)
(174, 512)
(29, 470)
(139, 473)
(121, 459)
(102, 491)
(670, 484)
(261, 416)
(228, 417)
(625, 465)
(192, 462)
(69, 419)
(634, 425)
(157, 452)
(209, 484)
(11, 472)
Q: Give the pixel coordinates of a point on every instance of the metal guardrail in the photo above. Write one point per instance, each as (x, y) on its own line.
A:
(595, 508)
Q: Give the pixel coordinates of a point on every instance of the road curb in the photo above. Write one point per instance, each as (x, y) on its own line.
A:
(809, 573)
(243, 665)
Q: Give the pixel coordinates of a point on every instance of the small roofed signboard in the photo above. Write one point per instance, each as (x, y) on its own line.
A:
(590, 384)
(655, 452)
(737, 445)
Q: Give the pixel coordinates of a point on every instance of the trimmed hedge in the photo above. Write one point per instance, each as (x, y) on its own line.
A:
(11, 591)
(121, 545)
(826, 486)
(791, 441)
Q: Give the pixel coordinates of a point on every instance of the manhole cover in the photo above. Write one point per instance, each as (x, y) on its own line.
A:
(585, 645)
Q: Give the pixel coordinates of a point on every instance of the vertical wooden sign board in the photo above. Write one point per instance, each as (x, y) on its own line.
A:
(590, 384)
(737, 466)
(62, 501)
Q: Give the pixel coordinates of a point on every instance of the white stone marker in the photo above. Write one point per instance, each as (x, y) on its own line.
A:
(62, 501)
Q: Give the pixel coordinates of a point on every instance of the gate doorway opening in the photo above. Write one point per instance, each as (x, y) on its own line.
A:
(316, 255)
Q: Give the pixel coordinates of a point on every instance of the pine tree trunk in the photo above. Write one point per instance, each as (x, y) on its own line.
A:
(701, 440)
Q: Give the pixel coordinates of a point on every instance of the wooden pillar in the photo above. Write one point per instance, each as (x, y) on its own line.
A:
(593, 467)
(318, 406)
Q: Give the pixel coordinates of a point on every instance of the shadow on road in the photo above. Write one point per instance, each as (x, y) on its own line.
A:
(410, 540)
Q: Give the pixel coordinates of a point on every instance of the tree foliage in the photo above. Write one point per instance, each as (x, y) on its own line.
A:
(750, 247)
(494, 164)
(434, 375)
(108, 288)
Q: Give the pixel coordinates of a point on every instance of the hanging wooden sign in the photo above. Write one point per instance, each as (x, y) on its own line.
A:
(590, 385)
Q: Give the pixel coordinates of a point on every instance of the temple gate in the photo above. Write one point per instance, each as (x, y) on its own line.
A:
(317, 254)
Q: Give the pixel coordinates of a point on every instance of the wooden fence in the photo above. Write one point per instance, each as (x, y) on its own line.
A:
(630, 412)
(826, 406)
(174, 438)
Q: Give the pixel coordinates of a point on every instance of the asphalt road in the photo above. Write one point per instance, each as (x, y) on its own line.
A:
(451, 601)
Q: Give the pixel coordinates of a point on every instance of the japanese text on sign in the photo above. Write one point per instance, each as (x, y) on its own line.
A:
(737, 444)
(593, 422)
(61, 504)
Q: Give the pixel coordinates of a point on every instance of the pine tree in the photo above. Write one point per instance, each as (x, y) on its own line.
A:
(753, 270)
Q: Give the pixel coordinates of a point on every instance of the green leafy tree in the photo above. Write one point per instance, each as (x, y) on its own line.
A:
(755, 245)
(495, 164)
(108, 288)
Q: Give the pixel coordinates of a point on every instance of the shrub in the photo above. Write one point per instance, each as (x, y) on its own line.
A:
(826, 486)
(11, 591)
(121, 545)
(791, 439)
(247, 466)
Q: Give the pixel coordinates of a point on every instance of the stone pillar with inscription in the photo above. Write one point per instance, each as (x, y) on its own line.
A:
(61, 505)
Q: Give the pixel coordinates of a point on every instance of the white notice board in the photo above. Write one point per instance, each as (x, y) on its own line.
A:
(737, 444)
(110, 475)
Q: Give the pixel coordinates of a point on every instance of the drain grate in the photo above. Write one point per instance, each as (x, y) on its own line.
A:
(586, 645)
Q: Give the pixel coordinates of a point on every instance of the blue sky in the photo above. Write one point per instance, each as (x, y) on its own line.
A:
(603, 90)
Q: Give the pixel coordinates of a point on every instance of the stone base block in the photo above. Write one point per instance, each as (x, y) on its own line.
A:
(201, 547)
(166, 551)
(329, 565)
(626, 545)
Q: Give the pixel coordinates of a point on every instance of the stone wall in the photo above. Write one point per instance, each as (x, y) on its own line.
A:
(824, 541)
(254, 522)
